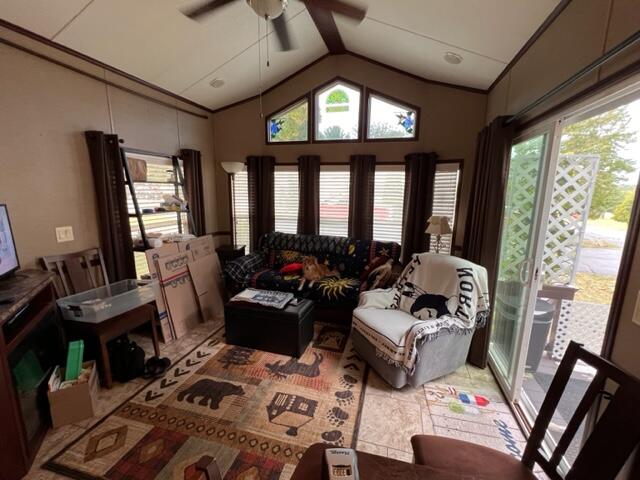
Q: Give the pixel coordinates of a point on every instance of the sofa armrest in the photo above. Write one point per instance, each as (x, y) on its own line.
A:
(241, 269)
(377, 298)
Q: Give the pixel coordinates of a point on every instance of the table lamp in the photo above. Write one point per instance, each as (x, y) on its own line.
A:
(438, 226)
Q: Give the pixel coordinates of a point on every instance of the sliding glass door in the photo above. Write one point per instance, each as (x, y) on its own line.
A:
(516, 272)
(568, 203)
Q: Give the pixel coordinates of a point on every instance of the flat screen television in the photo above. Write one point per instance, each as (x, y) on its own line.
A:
(8, 255)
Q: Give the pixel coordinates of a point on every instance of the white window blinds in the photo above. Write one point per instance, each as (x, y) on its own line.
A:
(240, 197)
(334, 200)
(286, 198)
(388, 202)
(445, 198)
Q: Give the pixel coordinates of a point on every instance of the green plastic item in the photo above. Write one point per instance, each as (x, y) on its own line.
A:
(28, 372)
(74, 360)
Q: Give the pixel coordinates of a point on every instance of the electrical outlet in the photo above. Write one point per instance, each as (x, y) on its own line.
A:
(636, 312)
(64, 234)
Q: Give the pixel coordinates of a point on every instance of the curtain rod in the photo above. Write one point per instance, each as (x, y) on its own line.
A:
(598, 62)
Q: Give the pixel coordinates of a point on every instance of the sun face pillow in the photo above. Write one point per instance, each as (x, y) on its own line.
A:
(290, 268)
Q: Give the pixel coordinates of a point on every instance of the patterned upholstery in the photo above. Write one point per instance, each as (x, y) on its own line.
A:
(348, 256)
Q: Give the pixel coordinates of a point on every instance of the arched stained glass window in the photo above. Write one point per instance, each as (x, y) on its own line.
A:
(337, 112)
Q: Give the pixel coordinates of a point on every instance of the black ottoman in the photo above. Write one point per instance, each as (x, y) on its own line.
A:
(286, 331)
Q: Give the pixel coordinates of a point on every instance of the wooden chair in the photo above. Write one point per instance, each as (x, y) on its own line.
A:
(611, 442)
(81, 271)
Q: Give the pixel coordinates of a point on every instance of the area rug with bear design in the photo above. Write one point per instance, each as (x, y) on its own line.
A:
(254, 412)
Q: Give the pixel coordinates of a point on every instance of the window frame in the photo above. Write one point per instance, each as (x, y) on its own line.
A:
(231, 198)
(455, 249)
(361, 106)
(307, 96)
(287, 167)
(369, 92)
(339, 167)
(393, 167)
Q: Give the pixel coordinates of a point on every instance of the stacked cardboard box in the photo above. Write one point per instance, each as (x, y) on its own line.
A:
(190, 285)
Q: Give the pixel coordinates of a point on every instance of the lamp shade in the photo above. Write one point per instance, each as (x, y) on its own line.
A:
(232, 167)
(438, 225)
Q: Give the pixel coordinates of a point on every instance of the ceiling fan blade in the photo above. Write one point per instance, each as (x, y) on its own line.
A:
(282, 32)
(198, 11)
(340, 7)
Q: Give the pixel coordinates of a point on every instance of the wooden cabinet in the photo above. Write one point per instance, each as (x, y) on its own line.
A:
(31, 344)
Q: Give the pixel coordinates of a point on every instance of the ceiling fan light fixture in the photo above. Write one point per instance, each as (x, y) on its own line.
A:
(452, 58)
(217, 82)
(268, 8)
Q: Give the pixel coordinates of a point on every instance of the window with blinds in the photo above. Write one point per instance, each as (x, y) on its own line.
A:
(334, 200)
(240, 208)
(388, 202)
(445, 198)
(286, 198)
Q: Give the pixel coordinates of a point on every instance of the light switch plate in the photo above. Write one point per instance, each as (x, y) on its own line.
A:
(636, 312)
(64, 234)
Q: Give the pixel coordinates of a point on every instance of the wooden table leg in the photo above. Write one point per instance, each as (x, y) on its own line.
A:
(106, 365)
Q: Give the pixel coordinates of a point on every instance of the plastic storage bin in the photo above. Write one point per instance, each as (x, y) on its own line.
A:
(99, 304)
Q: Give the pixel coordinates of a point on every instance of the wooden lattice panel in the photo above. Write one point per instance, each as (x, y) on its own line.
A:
(582, 322)
(572, 193)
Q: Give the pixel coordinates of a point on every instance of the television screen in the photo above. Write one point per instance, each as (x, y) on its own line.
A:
(8, 256)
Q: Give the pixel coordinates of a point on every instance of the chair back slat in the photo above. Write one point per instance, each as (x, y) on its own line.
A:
(549, 404)
(90, 268)
(77, 272)
(61, 271)
(615, 434)
(589, 398)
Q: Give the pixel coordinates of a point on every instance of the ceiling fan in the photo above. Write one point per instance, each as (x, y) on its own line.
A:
(272, 10)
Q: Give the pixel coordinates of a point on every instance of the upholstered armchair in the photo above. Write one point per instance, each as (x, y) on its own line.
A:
(421, 328)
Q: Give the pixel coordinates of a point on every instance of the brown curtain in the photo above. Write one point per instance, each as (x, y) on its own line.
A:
(361, 180)
(420, 172)
(261, 201)
(108, 178)
(484, 217)
(193, 186)
(309, 188)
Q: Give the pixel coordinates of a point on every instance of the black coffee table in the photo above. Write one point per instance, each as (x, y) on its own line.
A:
(286, 331)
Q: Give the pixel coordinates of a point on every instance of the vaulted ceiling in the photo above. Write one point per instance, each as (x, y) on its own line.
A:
(152, 40)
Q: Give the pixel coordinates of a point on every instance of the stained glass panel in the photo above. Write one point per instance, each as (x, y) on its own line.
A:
(337, 113)
(289, 125)
(388, 119)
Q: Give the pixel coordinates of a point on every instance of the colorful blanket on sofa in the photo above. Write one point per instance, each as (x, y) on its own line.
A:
(350, 257)
(442, 292)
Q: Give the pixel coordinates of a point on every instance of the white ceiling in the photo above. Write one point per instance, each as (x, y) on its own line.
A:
(152, 40)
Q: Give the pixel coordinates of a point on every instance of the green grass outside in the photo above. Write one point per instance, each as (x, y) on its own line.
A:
(595, 288)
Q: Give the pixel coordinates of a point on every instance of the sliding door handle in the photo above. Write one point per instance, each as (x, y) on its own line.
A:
(525, 270)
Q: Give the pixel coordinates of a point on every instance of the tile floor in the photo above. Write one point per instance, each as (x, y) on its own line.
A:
(389, 417)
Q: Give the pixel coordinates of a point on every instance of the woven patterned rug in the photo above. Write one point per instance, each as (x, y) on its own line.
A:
(254, 412)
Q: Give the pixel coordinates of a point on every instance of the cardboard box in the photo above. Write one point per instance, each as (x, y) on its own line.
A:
(74, 403)
(153, 255)
(179, 294)
(207, 282)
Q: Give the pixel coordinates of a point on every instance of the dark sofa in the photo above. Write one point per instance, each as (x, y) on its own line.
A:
(261, 269)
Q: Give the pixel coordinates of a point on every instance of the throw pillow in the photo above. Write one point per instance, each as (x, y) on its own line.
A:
(291, 268)
(372, 265)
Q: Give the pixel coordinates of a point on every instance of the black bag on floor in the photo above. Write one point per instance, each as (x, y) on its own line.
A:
(126, 358)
